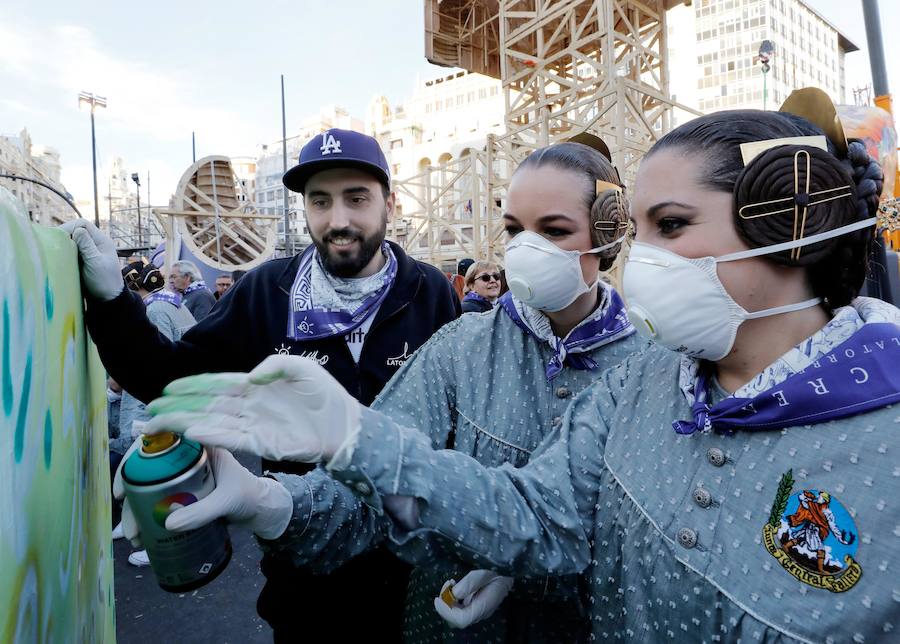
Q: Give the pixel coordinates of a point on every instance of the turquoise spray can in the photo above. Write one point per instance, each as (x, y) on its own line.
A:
(168, 472)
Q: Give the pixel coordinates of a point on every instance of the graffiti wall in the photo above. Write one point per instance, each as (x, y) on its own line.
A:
(55, 545)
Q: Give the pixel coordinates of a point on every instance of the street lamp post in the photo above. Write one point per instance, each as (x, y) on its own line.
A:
(94, 102)
(766, 50)
(137, 181)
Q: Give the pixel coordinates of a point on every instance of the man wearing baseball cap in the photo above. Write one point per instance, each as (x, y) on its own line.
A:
(353, 302)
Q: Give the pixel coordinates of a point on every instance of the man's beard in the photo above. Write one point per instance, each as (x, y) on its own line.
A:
(348, 263)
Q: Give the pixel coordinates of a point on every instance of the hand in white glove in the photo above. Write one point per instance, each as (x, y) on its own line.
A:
(129, 525)
(478, 595)
(100, 270)
(288, 408)
(262, 504)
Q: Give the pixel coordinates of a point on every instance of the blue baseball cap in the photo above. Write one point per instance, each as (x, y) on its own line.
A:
(337, 148)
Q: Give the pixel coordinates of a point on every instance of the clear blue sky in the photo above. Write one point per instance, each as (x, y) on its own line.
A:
(168, 68)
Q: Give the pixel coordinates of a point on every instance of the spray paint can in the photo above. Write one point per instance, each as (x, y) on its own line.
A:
(168, 472)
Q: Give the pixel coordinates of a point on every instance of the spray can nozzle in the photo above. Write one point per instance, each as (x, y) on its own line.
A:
(158, 443)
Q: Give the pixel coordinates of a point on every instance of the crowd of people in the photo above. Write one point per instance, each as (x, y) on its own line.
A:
(522, 454)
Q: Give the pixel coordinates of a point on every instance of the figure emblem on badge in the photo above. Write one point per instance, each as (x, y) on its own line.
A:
(813, 537)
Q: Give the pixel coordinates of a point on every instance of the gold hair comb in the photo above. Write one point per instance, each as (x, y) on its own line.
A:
(750, 151)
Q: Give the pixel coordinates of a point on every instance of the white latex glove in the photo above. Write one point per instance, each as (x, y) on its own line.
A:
(100, 270)
(262, 504)
(288, 408)
(478, 595)
(129, 525)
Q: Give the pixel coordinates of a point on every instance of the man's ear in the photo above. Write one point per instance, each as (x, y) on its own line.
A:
(389, 205)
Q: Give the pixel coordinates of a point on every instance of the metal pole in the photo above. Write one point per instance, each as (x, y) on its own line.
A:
(880, 285)
(288, 241)
(140, 235)
(765, 89)
(94, 157)
(876, 47)
(148, 208)
(219, 258)
(193, 148)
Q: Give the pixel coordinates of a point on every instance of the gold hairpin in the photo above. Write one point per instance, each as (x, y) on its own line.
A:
(801, 199)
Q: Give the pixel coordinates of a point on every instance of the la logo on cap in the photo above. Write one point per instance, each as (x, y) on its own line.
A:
(329, 144)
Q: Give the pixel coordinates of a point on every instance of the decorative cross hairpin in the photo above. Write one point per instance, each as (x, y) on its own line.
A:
(802, 200)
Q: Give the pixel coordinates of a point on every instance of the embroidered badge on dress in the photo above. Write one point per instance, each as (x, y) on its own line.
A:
(813, 537)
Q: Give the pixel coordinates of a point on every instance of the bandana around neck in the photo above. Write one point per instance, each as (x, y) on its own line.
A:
(195, 286)
(608, 323)
(473, 296)
(847, 368)
(163, 295)
(323, 305)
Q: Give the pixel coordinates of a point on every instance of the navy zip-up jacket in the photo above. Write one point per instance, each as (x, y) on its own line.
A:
(248, 324)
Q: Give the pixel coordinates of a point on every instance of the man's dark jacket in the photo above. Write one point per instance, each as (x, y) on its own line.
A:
(248, 324)
(200, 303)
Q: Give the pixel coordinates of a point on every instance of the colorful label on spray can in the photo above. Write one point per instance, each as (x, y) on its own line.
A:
(157, 484)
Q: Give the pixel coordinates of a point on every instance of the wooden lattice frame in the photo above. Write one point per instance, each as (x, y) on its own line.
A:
(216, 220)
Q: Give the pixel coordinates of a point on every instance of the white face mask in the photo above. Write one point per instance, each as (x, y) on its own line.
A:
(543, 275)
(681, 304)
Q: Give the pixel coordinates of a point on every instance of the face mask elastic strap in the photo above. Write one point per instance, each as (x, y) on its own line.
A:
(787, 308)
(602, 248)
(814, 239)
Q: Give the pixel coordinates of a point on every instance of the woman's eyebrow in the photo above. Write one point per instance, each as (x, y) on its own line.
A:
(653, 210)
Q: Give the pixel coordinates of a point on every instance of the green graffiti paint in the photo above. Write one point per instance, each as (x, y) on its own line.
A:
(54, 472)
(19, 440)
(48, 440)
(7, 370)
(48, 298)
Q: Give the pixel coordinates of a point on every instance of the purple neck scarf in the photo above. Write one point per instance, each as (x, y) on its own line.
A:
(163, 295)
(306, 321)
(612, 325)
(195, 286)
(473, 296)
(858, 375)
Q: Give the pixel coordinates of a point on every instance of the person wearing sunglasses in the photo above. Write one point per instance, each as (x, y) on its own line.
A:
(482, 287)
(493, 386)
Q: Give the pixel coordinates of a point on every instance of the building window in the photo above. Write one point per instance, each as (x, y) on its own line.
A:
(482, 93)
(396, 143)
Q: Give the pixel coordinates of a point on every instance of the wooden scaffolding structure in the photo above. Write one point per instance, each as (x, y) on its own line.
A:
(567, 67)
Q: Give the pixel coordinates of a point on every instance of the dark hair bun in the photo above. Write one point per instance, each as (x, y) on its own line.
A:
(771, 194)
(869, 179)
(151, 278)
(837, 266)
(609, 222)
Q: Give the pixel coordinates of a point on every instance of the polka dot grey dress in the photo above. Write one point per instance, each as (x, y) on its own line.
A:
(752, 536)
(479, 387)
